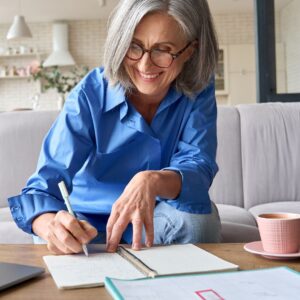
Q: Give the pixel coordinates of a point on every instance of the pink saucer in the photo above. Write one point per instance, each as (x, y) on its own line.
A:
(256, 248)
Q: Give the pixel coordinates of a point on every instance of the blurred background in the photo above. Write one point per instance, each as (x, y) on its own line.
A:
(79, 28)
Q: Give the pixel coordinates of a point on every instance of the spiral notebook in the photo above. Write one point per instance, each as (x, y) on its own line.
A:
(79, 271)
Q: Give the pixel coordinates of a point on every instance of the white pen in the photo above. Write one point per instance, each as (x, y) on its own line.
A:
(65, 194)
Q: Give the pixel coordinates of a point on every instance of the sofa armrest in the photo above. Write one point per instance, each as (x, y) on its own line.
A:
(238, 233)
(11, 234)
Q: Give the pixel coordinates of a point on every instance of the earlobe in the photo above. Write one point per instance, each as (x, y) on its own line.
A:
(191, 50)
(190, 53)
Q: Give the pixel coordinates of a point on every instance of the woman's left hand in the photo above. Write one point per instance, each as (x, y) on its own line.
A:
(136, 206)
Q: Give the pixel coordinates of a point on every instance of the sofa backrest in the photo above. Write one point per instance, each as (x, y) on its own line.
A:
(227, 187)
(21, 135)
(258, 152)
(270, 146)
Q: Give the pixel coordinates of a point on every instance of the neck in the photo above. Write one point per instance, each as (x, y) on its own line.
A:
(146, 105)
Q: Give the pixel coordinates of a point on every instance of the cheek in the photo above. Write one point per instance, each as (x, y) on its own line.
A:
(127, 64)
(174, 71)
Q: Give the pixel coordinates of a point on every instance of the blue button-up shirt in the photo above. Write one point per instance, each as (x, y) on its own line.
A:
(99, 142)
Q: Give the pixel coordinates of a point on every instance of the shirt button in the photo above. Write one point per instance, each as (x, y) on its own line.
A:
(14, 208)
(19, 219)
(131, 121)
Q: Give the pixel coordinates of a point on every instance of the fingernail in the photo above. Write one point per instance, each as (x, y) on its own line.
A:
(110, 248)
(84, 240)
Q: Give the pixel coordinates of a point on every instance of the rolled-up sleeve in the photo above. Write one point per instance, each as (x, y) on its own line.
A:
(195, 155)
(64, 151)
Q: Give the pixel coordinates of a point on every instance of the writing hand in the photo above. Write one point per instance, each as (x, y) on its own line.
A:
(63, 232)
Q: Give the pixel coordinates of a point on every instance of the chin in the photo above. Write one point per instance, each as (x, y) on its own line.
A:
(149, 91)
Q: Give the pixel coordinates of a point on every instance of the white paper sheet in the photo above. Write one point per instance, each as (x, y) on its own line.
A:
(275, 283)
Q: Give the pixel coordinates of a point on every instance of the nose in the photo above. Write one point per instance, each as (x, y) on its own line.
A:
(145, 61)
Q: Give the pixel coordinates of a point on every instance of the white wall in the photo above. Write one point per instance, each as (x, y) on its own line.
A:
(290, 34)
(86, 39)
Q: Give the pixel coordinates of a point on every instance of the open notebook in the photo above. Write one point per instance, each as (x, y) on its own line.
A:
(78, 271)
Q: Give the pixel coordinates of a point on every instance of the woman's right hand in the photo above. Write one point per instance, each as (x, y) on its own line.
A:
(63, 232)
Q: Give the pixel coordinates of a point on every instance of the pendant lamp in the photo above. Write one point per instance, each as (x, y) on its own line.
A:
(19, 28)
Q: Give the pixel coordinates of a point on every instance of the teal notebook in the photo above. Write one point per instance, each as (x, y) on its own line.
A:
(279, 283)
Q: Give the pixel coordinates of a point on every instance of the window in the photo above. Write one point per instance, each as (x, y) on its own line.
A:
(221, 76)
(269, 69)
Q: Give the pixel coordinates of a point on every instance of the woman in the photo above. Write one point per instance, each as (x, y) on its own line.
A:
(136, 141)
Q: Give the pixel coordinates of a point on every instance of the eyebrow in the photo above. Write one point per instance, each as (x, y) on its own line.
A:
(161, 43)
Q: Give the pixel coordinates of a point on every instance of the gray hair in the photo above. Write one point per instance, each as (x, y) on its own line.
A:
(194, 19)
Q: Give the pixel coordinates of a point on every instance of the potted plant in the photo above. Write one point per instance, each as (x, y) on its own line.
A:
(54, 78)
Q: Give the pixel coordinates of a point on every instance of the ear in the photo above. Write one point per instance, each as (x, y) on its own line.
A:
(191, 49)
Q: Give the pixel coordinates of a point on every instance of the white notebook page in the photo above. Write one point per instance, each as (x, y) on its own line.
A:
(75, 271)
(180, 259)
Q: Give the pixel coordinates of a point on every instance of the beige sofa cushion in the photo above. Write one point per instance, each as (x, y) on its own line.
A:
(21, 135)
(235, 214)
(270, 148)
(227, 187)
(13, 235)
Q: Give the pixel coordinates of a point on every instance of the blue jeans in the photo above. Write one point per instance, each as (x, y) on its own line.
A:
(172, 226)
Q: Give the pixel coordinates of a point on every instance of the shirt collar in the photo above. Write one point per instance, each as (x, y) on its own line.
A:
(115, 95)
(172, 96)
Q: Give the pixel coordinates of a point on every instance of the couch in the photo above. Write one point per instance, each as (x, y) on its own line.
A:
(258, 156)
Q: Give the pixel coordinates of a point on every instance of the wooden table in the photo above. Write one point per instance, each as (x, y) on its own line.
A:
(44, 287)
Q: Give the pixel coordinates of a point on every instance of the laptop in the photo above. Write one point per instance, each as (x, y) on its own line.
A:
(11, 274)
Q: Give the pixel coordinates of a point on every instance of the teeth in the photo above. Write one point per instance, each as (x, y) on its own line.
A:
(149, 76)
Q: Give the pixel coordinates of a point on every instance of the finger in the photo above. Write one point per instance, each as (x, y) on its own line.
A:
(64, 239)
(90, 230)
(53, 249)
(137, 226)
(116, 233)
(149, 229)
(55, 246)
(110, 223)
(73, 226)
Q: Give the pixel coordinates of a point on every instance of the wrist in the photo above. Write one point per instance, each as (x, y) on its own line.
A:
(40, 224)
(162, 183)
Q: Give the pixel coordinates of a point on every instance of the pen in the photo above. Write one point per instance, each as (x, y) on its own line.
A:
(65, 194)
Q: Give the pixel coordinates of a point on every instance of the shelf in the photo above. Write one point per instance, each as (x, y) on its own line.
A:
(19, 55)
(15, 77)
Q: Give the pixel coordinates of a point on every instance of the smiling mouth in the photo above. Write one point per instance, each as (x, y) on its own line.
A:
(149, 76)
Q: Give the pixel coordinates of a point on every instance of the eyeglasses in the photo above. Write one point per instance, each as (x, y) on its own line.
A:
(160, 58)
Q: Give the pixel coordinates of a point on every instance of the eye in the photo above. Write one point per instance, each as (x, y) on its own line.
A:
(157, 51)
(162, 48)
(135, 47)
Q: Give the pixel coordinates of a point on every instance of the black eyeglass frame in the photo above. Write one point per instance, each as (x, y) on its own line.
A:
(173, 55)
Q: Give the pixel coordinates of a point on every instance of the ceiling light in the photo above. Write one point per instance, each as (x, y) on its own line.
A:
(19, 28)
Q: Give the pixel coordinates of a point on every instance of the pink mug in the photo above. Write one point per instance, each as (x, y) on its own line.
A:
(279, 232)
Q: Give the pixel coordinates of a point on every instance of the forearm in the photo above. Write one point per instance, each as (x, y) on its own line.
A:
(166, 184)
